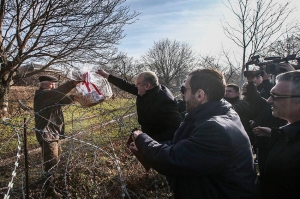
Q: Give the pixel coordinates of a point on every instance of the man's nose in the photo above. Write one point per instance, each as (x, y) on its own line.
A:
(270, 100)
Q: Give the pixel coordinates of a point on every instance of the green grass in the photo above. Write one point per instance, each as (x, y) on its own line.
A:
(91, 170)
(76, 119)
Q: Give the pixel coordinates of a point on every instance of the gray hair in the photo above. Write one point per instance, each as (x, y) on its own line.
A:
(294, 77)
(150, 77)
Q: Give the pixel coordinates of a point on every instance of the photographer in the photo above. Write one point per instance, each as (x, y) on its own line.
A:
(263, 116)
(263, 84)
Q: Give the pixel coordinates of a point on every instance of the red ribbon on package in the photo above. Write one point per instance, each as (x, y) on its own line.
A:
(86, 82)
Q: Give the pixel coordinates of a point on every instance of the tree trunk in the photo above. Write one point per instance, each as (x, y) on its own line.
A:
(4, 90)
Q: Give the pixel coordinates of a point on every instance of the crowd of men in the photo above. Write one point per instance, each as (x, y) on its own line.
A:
(205, 149)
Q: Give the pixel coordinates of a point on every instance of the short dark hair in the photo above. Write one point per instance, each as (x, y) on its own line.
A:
(235, 87)
(211, 81)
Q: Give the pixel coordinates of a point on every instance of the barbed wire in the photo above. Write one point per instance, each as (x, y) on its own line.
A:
(95, 162)
(14, 172)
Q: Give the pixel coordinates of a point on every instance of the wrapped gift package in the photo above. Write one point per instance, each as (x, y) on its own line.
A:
(93, 89)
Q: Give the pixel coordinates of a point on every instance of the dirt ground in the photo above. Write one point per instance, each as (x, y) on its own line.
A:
(21, 93)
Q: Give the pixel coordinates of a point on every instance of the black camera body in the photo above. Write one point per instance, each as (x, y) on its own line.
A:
(270, 67)
(274, 69)
(253, 73)
(253, 61)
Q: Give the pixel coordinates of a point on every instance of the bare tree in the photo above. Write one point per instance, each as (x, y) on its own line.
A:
(258, 21)
(227, 68)
(55, 32)
(124, 66)
(171, 60)
(289, 44)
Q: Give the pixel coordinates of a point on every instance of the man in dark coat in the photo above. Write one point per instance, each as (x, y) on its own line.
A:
(281, 174)
(49, 123)
(156, 106)
(263, 84)
(210, 156)
(262, 117)
(241, 106)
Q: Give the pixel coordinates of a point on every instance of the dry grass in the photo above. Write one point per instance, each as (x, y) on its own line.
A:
(95, 164)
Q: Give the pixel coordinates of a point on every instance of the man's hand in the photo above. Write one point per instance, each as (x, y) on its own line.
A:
(266, 76)
(262, 131)
(75, 82)
(287, 66)
(133, 147)
(134, 135)
(102, 73)
(250, 79)
(76, 98)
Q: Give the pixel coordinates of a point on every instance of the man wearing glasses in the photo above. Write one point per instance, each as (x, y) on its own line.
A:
(281, 177)
(262, 116)
(210, 156)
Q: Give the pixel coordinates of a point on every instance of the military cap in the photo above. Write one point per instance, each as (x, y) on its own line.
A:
(47, 78)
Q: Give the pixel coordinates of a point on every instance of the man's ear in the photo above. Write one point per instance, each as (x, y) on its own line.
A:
(148, 86)
(201, 96)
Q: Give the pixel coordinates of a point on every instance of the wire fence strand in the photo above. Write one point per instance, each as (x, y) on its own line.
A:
(95, 161)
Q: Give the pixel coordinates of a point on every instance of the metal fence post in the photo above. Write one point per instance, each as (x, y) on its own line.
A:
(26, 159)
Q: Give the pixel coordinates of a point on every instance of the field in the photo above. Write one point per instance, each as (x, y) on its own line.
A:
(95, 162)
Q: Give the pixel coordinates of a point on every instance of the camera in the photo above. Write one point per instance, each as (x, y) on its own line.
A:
(254, 60)
(253, 73)
(271, 66)
(274, 68)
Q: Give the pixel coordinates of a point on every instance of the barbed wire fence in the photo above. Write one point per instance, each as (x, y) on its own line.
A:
(95, 162)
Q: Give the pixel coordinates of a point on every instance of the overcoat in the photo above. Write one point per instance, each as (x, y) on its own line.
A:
(210, 156)
(157, 109)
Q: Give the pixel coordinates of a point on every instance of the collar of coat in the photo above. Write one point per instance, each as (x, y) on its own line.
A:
(153, 90)
(200, 114)
(232, 100)
(208, 109)
(291, 130)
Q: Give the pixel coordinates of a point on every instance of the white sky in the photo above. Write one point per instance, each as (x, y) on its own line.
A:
(196, 22)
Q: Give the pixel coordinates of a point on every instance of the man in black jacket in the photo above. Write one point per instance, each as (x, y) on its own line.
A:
(263, 84)
(156, 106)
(210, 156)
(241, 106)
(262, 114)
(281, 174)
(49, 123)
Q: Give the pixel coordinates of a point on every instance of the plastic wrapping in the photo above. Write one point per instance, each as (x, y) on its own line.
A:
(93, 89)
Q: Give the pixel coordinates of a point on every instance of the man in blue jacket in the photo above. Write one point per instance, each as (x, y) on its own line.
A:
(210, 156)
